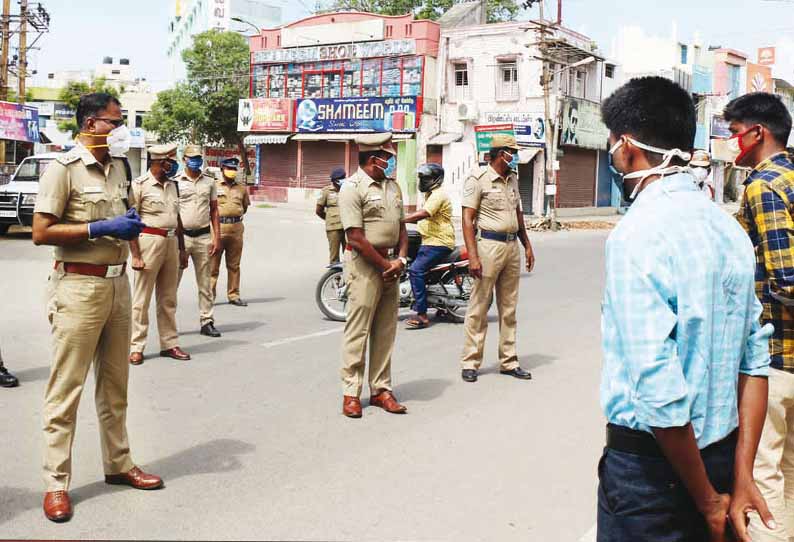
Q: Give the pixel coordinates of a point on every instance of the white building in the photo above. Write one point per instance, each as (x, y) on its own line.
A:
(192, 17)
(491, 75)
(119, 73)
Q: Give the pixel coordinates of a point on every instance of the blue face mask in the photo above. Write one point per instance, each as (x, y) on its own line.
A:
(617, 176)
(174, 169)
(195, 162)
(391, 167)
(513, 163)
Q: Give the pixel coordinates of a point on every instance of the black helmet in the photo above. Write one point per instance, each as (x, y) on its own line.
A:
(430, 176)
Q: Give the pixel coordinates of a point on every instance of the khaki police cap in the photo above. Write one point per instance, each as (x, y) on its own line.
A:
(192, 151)
(161, 152)
(499, 141)
(376, 142)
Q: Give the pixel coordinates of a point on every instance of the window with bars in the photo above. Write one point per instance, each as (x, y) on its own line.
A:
(507, 81)
(461, 90)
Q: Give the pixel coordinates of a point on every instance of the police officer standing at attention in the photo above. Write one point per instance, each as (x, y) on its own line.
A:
(158, 254)
(492, 201)
(328, 210)
(371, 206)
(198, 207)
(233, 203)
(80, 210)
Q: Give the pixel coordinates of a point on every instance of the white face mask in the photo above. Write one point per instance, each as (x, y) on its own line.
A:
(700, 173)
(662, 169)
(119, 140)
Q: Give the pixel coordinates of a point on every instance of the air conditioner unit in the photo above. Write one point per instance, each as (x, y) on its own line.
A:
(467, 111)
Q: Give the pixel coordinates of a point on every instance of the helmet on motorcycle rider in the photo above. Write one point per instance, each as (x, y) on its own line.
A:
(430, 176)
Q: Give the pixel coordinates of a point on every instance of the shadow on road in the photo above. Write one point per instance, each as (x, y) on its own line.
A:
(228, 328)
(215, 456)
(212, 346)
(32, 375)
(422, 390)
(256, 300)
(528, 362)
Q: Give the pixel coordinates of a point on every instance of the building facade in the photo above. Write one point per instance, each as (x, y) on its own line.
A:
(192, 17)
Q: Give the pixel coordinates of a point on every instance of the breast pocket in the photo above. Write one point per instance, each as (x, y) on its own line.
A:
(373, 209)
(494, 200)
(97, 206)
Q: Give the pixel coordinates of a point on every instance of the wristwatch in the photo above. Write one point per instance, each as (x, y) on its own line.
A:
(404, 260)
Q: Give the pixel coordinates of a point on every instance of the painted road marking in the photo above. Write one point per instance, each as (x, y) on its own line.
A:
(289, 340)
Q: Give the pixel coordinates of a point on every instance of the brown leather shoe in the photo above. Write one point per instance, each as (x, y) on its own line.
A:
(387, 402)
(175, 353)
(135, 478)
(57, 506)
(136, 358)
(351, 407)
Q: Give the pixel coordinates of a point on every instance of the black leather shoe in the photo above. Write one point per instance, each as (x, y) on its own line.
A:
(7, 380)
(209, 330)
(519, 373)
(469, 375)
(238, 303)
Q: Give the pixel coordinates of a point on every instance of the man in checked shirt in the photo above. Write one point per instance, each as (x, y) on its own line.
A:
(684, 383)
(761, 126)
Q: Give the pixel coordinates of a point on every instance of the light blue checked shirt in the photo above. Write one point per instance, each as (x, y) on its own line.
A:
(680, 318)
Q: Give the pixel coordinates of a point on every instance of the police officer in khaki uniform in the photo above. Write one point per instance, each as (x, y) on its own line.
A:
(493, 222)
(158, 254)
(233, 203)
(371, 206)
(328, 210)
(198, 207)
(80, 210)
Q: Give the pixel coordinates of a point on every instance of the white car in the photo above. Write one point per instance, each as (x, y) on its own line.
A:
(18, 197)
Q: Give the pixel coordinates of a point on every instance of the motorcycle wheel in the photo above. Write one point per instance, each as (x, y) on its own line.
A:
(330, 295)
(456, 313)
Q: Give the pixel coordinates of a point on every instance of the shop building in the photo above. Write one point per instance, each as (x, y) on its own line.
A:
(318, 83)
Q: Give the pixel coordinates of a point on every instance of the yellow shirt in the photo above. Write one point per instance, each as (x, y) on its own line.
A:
(437, 231)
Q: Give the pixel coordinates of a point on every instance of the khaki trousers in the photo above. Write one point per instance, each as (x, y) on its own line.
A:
(336, 244)
(774, 462)
(232, 246)
(90, 321)
(198, 250)
(161, 275)
(371, 318)
(501, 268)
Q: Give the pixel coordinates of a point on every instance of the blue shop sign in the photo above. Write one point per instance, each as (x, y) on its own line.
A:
(364, 114)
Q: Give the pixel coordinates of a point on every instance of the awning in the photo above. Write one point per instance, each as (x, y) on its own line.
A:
(269, 139)
(343, 136)
(526, 155)
(445, 138)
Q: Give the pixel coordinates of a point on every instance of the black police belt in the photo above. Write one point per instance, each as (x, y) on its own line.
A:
(497, 236)
(231, 219)
(197, 233)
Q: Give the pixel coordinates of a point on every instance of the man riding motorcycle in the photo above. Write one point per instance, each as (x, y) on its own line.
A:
(438, 236)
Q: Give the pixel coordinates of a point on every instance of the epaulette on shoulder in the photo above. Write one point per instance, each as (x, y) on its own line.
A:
(140, 179)
(68, 158)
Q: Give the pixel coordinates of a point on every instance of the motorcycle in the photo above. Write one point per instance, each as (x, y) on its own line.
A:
(449, 286)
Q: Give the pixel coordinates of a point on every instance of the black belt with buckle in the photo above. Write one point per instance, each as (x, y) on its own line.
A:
(197, 233)
(231, 219)
(635, 442)
(496, 236)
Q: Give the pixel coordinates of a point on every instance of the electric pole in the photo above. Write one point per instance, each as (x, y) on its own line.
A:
(23, 50)
(6, 30)
(550, 189)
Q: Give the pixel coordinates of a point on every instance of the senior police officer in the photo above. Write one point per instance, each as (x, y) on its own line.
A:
(158, 254)
(492, 205)
(198, 207)
(233, 203)
(80, 210)
(328, 210)
(371, 206)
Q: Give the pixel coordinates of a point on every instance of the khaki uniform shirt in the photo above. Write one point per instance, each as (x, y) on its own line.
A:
(377, 207)
(233, 199)
(78, 189)
(494, 198)
(195, 196)
(329, 199)
(158, 204)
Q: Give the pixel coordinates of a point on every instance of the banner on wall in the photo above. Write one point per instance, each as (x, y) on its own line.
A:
(484, 133)
(366, 114)
(264, 115)
(759, 78)
(582, 125)
(530, 128)
(214, 155)
(19, 122)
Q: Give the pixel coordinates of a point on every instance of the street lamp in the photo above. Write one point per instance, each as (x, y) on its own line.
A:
(252, 25)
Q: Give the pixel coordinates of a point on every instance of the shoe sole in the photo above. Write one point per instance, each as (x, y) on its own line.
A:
(63, 519)
(517, 377)
(124, 483)
(352, 416)
(162, 355)
(14, 385)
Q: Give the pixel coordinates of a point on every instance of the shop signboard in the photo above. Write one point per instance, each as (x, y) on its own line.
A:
(264, 115)
(366, 114)
(340, 51)
(530, 128)
(19, 122)
(720, 128)
(582, 125)
(485, 132)
(214, 155)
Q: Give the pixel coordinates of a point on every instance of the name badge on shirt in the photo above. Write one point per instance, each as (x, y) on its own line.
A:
(374, 198)
(492, 191)
(93, 190)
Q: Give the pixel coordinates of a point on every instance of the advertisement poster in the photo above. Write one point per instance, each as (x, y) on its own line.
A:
(759, 78)
(582, 125)
(484, 134)
(19, 122)
(766, 56)
(529, 127)
(366, 114)
(264, 115)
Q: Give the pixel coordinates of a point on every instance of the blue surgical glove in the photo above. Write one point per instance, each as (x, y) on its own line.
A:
(125, 227)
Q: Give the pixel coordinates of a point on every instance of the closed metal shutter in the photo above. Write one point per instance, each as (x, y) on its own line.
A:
(319, 159)
(278, 164)
(577, 178)
(525, 185)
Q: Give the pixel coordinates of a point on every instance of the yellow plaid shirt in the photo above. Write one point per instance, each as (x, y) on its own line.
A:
(766, 214)
(437, 230)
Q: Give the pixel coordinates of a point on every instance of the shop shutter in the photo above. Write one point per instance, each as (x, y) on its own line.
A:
(526, 184)
(319, 159)
(278, 164)
(577, 178)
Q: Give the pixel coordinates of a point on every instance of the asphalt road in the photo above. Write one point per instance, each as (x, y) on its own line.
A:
(250, 439)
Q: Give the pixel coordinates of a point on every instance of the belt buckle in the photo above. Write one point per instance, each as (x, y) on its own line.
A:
(114, 271)
(511, 237)
(170, 233)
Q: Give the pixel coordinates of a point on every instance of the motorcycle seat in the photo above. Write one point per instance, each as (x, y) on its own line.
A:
(457, 255)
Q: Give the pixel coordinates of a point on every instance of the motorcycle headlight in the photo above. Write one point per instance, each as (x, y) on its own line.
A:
(30, 199)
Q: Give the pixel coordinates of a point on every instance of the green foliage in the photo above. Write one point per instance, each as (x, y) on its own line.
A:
(72, 92)
(203, 109)
(498, 10)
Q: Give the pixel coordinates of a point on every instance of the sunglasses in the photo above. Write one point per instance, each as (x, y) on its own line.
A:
(113, 122)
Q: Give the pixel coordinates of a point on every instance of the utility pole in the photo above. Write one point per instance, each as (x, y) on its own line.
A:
(559, 12)
(6, 30)
(550, 189)
(22, 70)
